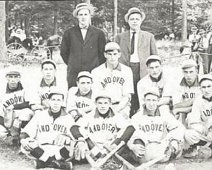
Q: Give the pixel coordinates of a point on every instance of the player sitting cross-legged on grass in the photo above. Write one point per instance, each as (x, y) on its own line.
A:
(155, 133)
(46, 137)
(199, 132)
(80, 99)
(16, 112)
(102, 127)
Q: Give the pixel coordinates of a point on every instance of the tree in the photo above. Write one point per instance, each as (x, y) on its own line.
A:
(2, 31)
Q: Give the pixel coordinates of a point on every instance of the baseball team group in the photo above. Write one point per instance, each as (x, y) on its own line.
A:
(117, 101)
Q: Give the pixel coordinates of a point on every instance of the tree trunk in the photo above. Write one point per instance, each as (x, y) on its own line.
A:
(3, 50)
(55, 18)
(115, 17)
(184, 24)
(173, 15)
(7, 25)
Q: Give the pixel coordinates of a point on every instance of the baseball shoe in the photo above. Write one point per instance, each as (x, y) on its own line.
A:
(61, 165)
(39, 164)
(191, 152)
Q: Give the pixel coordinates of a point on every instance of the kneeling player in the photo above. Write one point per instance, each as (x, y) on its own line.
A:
(45, 138)
(156, 134)
(102, 127)
(16, 112)
(199, 132)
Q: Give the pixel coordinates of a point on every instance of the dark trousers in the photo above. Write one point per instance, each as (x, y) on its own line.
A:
(136, 77)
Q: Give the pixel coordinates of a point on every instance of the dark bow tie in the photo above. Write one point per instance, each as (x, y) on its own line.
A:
(84, 27)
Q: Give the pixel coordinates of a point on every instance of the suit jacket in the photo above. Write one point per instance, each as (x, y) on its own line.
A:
(146, 47)
(82, 55)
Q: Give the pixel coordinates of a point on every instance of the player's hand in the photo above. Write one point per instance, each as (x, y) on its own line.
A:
(138, 149)
(10, 108)
(28, 144)
(80, 150)
(62, 140)
(37, 107)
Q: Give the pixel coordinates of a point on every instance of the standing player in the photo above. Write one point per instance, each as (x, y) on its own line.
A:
(156, 77)
(16, 111)
(39, 100)
(45, 137)
(116, 78)
(155, 133)
(187, 90)
(80, 101)
(199, 132)
(102, 127)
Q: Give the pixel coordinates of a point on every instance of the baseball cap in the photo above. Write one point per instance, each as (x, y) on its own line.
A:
(84, 74)
(55, 91)
(112, 46)
(83, 6)
(205, 77)
(133, 11)
(153, 57)
(153, 91)
(102, 94)
(48, 61)
(188, 63)
(13, 71)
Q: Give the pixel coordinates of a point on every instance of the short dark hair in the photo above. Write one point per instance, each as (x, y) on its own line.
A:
(48, 62)
(152, 61)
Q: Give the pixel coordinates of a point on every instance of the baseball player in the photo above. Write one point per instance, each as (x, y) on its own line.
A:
(116, 78)
(80, 100)
(156, 77)
(199, 132)
(15, 112)
(46, 137)
(188, 89)
(49, 81)
(101, 127)
(155, 133)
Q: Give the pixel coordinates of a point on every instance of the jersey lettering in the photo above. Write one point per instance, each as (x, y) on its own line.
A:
(189, 95)
(14, 100)
(151, 127)
(102, 127)
(44, 128)
(44, 96)
(81, 105)
(60, 128)
(207, 112)
(114, 79)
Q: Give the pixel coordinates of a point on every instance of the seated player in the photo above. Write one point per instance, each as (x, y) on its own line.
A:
(155, 133)
(186, 91)
(46, 137)
(156, 77)
(79, 100)
(15, 112)
(49, 81)
(199, 132)
(116, 78)
(102, 127)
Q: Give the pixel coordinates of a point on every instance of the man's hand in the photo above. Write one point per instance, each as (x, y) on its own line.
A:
(138, 150)
(29, 144)
(62, 140)
(80, 150)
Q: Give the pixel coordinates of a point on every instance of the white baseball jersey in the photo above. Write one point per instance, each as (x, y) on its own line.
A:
(44, 128)
(146, 82)
(41, 92)
(118, 82)
(183, 92)
(84, 104)
(155, 128)
(102, 130)
(14, 98)
(201, 112)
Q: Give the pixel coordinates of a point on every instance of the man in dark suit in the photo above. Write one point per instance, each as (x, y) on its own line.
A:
(82, 47)
(136, 45)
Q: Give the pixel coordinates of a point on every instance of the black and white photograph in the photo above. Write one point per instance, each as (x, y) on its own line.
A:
(106, 85)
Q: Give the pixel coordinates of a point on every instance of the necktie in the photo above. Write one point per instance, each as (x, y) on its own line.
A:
(132, 42)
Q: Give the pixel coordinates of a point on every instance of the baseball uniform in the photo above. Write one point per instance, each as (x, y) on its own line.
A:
(118, 82)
